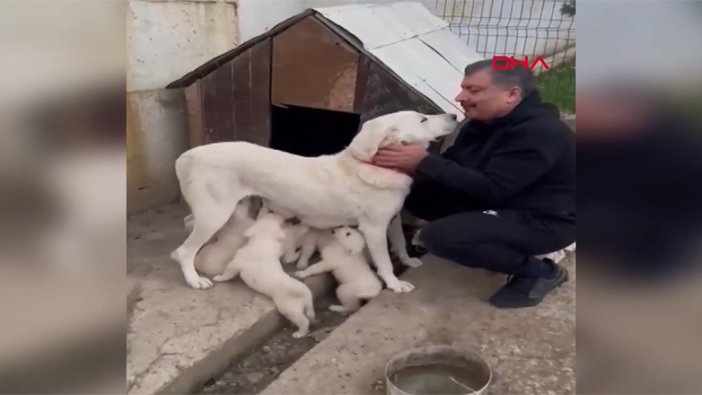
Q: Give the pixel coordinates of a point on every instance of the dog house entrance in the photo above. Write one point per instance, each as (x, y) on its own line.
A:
(311, 132)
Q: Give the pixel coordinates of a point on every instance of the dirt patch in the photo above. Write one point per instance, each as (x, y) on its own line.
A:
(253, 373)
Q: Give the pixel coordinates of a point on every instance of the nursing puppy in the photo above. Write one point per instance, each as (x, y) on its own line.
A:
(342, 252)
(292, 246)
(258, 265)
(214, 256)
(310, 242)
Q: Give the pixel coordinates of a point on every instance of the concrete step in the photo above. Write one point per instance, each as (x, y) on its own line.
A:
(531, 351)
(179, 337)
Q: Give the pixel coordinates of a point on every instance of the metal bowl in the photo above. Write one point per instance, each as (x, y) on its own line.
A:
(437, 370)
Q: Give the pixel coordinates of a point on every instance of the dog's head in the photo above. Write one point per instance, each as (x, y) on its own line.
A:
(351, 239)
(267, 225)
(403, 127)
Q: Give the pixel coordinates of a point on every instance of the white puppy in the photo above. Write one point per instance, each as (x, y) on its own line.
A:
(214, 256)
(344, 189)
(342, 251)
(258, 264)
(310, 242)
(292, 245)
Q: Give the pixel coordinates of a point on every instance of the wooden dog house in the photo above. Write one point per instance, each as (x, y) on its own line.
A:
(307, 84)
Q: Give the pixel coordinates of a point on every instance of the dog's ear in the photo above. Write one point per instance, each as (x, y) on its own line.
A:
(368, 140)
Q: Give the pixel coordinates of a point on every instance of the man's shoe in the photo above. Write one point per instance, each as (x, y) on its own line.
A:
(521, 291)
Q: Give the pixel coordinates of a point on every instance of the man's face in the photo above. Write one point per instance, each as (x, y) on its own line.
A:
(482, 100)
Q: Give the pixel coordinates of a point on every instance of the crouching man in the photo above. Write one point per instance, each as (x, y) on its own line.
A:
(504, 192)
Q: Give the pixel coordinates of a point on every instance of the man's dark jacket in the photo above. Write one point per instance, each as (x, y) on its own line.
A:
(523, 161)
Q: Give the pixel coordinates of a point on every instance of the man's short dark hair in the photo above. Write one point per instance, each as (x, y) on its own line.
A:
(519, 76)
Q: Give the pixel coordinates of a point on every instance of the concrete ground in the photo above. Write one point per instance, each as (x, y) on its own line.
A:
(179, 337)
(531, 351)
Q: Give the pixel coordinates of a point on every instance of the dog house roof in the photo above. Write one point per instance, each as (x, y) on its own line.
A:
(404, 38)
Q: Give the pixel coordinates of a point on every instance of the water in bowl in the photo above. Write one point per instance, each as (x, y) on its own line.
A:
(437, 379)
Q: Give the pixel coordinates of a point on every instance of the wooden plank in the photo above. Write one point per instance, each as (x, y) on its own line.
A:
(220, 60)
(242, 106)
(261, 96)
(251, 85)
(313, 67)
(217, 100)
(196, 123)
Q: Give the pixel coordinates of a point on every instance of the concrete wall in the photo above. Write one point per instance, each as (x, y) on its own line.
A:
(166, 40)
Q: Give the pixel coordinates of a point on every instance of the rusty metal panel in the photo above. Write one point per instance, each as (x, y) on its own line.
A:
(421, 67)
(383, 94)
(407, 39)
(313, 67)
(251, 92)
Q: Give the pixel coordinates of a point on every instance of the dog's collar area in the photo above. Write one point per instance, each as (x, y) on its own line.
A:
(386, 168)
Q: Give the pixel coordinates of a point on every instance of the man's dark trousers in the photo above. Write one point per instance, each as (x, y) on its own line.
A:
(462, 232)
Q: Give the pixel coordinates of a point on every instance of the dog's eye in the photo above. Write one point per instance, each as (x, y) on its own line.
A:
(424, 119)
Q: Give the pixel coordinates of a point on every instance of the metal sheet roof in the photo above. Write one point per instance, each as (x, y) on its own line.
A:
(413, 43)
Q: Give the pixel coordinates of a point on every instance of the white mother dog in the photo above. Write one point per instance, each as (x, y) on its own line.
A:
(323, 192)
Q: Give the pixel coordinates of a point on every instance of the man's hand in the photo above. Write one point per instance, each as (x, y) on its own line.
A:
(400, 157)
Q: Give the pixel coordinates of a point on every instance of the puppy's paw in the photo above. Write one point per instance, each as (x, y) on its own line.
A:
(400, 286)
(302, 265)
(411, 262)
(220, 278)
(300, 274)
(338, 308)
(199, 282)
(299, 334)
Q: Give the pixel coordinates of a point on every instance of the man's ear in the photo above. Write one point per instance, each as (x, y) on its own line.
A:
(366, 143)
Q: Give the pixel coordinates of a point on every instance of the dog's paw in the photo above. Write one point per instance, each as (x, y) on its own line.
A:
(199, 282)
(400, 286)
(302, 265)
(299, 334)
(412, 262)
